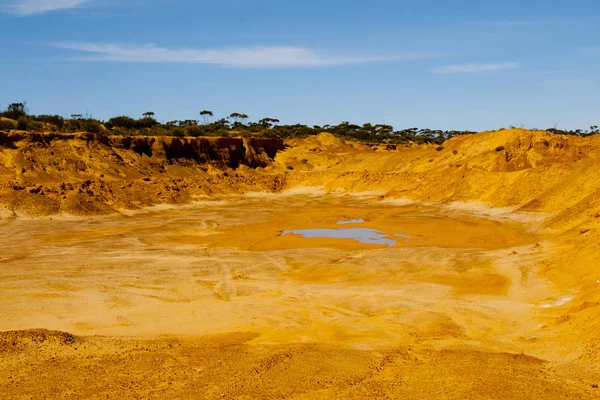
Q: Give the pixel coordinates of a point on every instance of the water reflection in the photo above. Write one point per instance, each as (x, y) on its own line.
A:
(362, 235)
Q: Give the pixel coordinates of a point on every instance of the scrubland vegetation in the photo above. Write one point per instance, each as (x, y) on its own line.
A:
(16, 116)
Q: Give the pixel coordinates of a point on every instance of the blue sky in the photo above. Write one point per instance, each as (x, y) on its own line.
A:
(462, 64)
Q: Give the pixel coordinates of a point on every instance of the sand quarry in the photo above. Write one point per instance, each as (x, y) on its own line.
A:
(168, 268)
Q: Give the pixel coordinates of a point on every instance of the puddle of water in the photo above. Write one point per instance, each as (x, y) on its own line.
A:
(362, 235)
(352, 221)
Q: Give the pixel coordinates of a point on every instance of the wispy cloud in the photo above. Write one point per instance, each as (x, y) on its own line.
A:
(471, 68)
(242, 57)
(31, 7)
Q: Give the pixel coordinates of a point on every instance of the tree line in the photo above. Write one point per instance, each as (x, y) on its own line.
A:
(17, 116)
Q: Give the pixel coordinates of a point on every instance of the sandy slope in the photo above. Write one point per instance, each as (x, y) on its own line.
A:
(208, 301)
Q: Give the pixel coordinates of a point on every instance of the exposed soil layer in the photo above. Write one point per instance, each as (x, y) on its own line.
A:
(85, 174)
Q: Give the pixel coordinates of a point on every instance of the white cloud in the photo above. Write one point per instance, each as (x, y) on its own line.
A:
(31, 7)
(244, 57)
(470, 68)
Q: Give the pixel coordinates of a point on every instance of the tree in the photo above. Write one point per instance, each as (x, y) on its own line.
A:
(243, 117)
(148, 114)
(384, 129)
(235, 116)
(188, 122)
(15, 111)
(123, 121)
(267, 123)
(222, 123)
(206, 116)
(76, 116)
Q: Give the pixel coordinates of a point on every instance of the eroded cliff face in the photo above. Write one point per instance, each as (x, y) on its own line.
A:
(221, 152)
(45, 174)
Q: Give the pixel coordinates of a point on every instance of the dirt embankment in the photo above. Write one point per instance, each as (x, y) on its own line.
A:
(519, 169)
(46, 174)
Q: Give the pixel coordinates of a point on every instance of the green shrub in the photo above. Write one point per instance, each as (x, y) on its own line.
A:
(123, 122)
(439, 148)
(6, 125)
(147, 122)
(158, 131)
(178, 132)
(22, 123)
(92, 126)
(72, 125)
(194, 131)
(35, 126)
(499, 148)
(15, 111)
(55, 120)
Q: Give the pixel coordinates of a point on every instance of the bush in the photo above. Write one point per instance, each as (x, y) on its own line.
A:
(55, 120)
(72, 125)
(178, 132)
(499, 148)
(194, 131)
(157, 131)
(145, 123)
(6, 125)
(15, 111)
(123, 122)
(92, 126)
(439, 148)
(22, 123)
(35, 126)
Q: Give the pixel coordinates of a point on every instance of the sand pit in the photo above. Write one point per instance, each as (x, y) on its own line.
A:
(449, 288)
(412, 273)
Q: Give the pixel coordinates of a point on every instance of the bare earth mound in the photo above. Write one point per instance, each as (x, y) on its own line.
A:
(478, 278)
